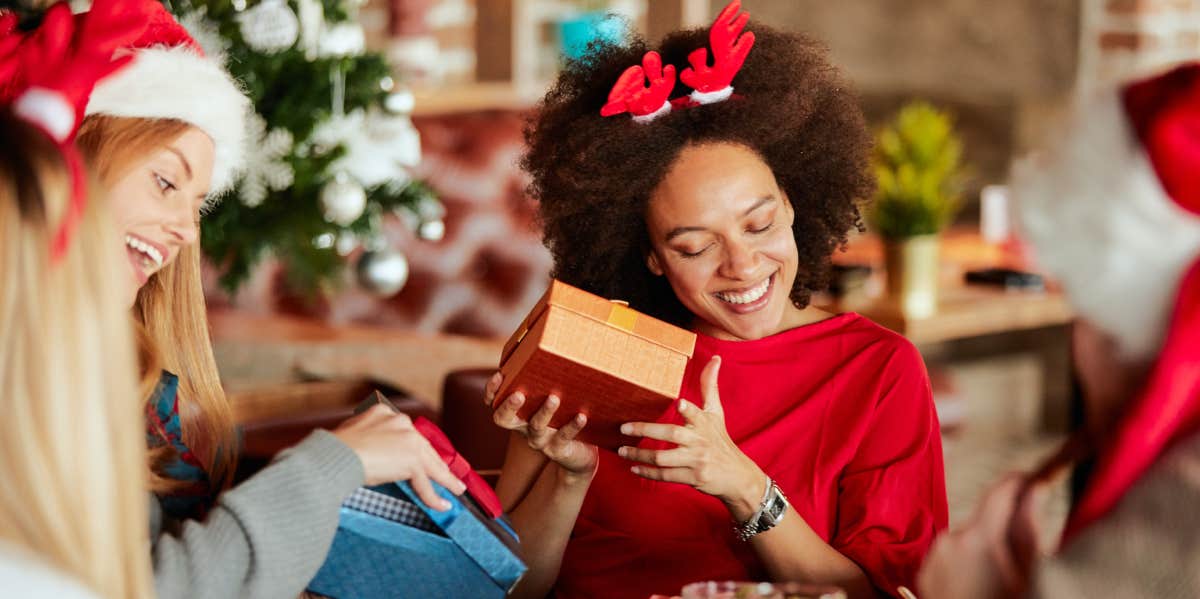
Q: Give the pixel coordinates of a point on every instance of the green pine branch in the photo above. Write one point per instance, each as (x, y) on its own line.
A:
(291, 91)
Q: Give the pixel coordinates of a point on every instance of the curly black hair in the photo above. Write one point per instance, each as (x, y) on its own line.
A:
(592, 176)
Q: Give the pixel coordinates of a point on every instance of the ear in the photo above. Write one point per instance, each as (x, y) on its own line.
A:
(653, 264)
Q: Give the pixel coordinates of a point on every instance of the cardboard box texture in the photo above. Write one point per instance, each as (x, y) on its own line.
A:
(599, 357)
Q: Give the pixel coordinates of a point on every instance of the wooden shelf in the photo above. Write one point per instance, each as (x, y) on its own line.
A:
(476, 97)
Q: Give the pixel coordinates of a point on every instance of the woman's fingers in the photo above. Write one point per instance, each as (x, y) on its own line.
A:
(668, 475)
(506, 416)
(670, 433)
(493, 386)
(668, 458)
(425, 492)
(541, 419)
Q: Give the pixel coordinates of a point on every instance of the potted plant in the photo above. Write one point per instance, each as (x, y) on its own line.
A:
(918, 166)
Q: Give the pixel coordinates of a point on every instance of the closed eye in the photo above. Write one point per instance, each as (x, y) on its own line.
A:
(762, 229)
(694, 254)
(164, 184)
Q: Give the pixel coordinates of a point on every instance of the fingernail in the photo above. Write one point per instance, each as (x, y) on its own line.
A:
(445, 505)
(517, 400)
(683, 405)
(580, 419)
(626, 429)
(635, 470)
(621, 451)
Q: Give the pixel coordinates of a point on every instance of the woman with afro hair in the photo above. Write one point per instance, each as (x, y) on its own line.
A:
(807, 448)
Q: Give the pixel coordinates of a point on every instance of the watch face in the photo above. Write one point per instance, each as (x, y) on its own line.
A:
(778, 505)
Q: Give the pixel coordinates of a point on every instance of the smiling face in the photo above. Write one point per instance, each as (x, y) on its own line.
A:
(156, 204)
(721, 232)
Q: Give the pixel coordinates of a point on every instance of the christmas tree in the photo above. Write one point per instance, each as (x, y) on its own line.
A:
(333, 145)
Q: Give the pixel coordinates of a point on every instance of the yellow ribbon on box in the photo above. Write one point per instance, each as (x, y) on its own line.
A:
(622, 316)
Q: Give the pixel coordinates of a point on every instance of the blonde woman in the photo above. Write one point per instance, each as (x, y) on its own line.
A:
(72, 513)
(166, 135)
(72, 459)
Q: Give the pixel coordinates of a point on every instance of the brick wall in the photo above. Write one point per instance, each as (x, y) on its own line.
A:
(1005, 68)
(1129, 38)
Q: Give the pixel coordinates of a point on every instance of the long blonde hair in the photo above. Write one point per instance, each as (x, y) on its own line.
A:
(72, 449)
(170, 306)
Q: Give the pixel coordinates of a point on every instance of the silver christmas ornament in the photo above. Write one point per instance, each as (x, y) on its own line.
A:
(382, 272)
(341, 40)
(399, 102)
(270, 27)
(346, 243)
(387, 83)
(433, 230)
(343, 200)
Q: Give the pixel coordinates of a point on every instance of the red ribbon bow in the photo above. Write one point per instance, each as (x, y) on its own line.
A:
(477, 488)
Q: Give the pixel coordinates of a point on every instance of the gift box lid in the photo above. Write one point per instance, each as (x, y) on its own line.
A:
(613, 313)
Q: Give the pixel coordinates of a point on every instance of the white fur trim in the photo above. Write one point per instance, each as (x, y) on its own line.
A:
(177, 83)
(47, 109)
(647, 118)
(720, 95)
(1100, 221)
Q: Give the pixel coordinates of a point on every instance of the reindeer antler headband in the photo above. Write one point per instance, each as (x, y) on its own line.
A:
(644, 90)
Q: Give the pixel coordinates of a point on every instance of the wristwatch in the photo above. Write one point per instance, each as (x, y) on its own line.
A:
(770, 513)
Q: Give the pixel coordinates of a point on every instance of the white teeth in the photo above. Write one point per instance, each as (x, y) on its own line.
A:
(747, 297)
(148, 250)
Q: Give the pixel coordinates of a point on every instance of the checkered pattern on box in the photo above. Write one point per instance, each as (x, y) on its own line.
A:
(390, 508)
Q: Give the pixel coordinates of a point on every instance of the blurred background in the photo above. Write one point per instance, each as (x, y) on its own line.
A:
(413, 277)
(996, 80)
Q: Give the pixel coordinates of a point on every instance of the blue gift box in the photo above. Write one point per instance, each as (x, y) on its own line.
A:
(384, 548)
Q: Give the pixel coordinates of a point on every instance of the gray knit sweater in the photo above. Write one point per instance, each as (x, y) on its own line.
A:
(265, 538)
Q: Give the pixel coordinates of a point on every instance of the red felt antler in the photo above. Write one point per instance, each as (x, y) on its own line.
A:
(642, 90)
(730, 48)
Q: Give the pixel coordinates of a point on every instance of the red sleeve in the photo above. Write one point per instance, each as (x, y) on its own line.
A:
(892, 493)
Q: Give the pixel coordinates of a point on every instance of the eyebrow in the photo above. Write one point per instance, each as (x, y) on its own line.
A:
(187, 167)
(677, 231)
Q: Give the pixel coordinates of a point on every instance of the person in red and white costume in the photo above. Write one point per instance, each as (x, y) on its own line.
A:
(1114, 213)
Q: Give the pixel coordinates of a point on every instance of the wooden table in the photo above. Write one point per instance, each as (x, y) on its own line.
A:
(964, 311)
(974, 321)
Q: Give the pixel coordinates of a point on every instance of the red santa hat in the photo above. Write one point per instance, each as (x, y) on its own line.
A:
(1114, 213)
(171, 77)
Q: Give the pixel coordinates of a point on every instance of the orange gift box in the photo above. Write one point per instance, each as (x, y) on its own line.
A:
(600, 357)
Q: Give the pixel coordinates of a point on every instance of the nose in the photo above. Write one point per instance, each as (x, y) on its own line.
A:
(182, 227)
(741, 260)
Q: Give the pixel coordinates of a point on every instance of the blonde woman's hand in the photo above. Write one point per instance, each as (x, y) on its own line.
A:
(392, 450)
(704, 456)
(559, 445)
